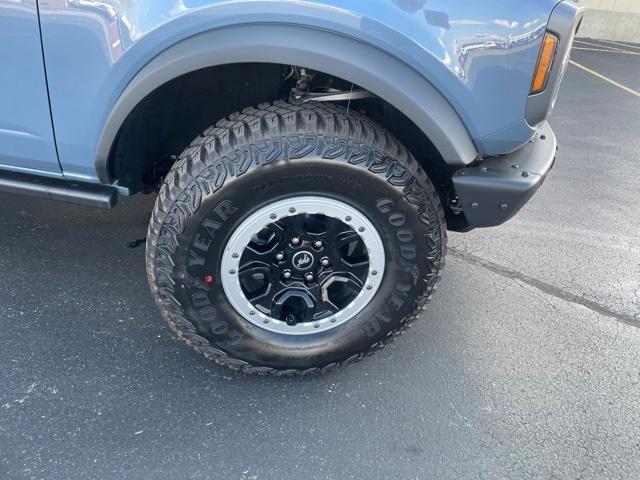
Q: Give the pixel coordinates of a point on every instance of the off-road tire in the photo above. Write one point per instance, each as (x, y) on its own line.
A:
(271, 152)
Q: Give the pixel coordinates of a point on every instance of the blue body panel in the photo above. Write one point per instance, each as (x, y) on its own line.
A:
(479, 55)
(26, 135)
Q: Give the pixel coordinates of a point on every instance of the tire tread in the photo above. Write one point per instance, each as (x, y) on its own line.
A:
(230, 148)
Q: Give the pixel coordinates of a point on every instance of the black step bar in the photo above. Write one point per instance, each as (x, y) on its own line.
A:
(71, 191)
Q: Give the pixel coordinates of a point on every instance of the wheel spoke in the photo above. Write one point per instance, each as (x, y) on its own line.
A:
(340, 289)
(278, 230)
(336, 229)
(325, 307)
(255, 280)
(350, 279)
(347, 237)
(264, 301)
(291, 227)
(359, 269)
(251, 256)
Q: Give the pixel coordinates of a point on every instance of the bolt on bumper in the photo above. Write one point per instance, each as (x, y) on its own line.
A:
(491, 193)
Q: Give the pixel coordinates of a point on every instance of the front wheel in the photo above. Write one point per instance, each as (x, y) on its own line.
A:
(291, 239)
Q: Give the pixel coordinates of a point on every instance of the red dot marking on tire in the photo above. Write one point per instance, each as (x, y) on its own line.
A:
(208, 279)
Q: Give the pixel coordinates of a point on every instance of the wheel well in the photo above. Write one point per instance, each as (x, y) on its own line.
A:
(165, 122)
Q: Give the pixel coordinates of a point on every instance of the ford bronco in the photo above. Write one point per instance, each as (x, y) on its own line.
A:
(309, 155)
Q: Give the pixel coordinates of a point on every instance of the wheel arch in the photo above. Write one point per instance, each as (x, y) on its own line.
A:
(363, 64)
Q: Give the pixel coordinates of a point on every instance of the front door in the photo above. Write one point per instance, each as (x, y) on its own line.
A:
(26, 135)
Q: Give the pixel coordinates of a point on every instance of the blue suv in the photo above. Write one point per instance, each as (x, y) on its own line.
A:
(309, 156)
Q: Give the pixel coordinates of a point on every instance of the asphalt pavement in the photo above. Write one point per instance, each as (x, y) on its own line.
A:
(525, 365)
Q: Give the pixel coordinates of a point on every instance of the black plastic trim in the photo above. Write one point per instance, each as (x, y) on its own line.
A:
(71, 191)
(494, 191)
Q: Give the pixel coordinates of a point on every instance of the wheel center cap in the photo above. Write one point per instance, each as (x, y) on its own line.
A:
(303, 260)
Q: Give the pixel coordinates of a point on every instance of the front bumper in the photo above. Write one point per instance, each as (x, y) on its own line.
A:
(494, 191)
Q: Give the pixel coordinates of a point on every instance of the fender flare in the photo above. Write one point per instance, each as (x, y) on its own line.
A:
(329, 52)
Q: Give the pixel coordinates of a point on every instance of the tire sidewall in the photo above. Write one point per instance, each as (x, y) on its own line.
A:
(404, 216)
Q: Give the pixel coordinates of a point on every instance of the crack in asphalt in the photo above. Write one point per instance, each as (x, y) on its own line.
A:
(545, 287)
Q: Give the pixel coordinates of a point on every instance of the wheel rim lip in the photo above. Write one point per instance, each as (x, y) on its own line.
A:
(308, 204)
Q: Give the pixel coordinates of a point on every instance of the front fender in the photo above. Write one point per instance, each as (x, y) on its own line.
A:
(341, 56)
(478, 58)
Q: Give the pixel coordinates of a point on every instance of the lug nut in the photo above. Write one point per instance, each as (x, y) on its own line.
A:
(317, 244)
(309, 277)
(286, 274)
(295, 240)
(324, 261)
(280, 257)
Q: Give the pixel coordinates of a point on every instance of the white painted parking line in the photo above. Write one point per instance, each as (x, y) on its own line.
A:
(606, 79)
(608, 51)
(591, 44)
(622, 45)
